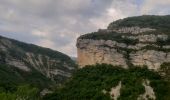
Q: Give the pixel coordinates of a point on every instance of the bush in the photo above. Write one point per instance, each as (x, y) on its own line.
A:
(88, 83)
(24, 92)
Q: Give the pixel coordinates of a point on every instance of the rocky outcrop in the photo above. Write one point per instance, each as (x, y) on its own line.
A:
(152, 38)
(133, 30)
(150, 49)
(152, 58)
(149, 93)
(93, 52)
(115, 91)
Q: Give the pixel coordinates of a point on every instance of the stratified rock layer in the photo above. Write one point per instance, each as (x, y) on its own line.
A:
(150, 47)
(91, 52)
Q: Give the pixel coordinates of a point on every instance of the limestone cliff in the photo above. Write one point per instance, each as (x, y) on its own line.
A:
(139, 41)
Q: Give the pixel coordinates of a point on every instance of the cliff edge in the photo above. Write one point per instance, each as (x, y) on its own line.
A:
(133, 41)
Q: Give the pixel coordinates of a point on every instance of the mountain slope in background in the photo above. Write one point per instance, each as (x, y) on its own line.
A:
(27, 63)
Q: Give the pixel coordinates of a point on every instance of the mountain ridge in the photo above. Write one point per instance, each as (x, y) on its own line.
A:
(26, 59)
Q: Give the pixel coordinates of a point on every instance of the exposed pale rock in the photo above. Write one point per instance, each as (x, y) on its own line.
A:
(153, 59)
(48, 70)
(110, 43)
(115, 91)
(149, 93)
(67, 66)
(104, 91)
(18, 64)
(166, 47)
(163, 36)
(60, 72)
(133, 30)
(6, 43)
(147, 37)
(29, 55)
(45, 91)
(91, 51)
(2, 48)
(137, 46)
(94, 52)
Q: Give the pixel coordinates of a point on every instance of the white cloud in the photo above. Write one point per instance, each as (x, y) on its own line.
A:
(155, 7)
(39, 33)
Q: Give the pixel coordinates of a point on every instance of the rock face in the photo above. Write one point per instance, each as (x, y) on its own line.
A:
(92, 51)
(149, 93)
(153, 59)
(111, 52)
(29, 58)
(115, 91)
(125, 46)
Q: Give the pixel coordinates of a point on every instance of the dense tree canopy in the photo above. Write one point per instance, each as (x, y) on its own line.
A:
(88, 83)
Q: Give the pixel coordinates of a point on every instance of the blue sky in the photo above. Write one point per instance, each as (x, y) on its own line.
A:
(56, 24)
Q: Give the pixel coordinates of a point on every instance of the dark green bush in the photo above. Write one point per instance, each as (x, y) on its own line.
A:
(88, 83)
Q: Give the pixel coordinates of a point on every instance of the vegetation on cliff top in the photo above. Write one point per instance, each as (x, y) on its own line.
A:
(151, 21)
(89, 82)
(160, 23)
(109, 36)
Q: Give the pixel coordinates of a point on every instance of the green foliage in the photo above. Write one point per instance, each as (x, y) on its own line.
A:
(2, 57)
(24, 92)
(165, 68)
(11, 76)
(157, 22)
(161, 42)
(162, 89)
(161, 23)
(104, 36)
(109, 36)
(18, 50)
(12, 80)
(88, 83)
